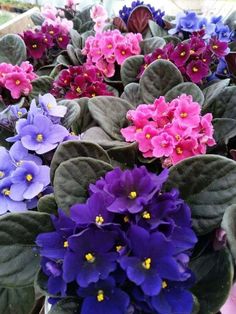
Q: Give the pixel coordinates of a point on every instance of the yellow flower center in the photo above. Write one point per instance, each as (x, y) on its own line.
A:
(34, 46)
(183, 114)
(177, 136)
(2, 174)
(164, 284)
(192, 51)
(100, 296)
(17, 82)
(89, 257)
(204, 60)
(51, 32)
(19, 113)
(132, 195)
(159, 57)
(146, 215)
(138, 130)
(126, 219)
(123, 52)
(183, 53)
(6, 192)
(93, 95)
(46, 40)
(78, 89)
(49, 106)
(215, 46)
(66, 244)
(29, 177)
(179, 151)
(119, 248)
(148, 136)
(109, 46)
(147, 263)
(60, 39)
(99, 220)
(195, 69)
(39, 138)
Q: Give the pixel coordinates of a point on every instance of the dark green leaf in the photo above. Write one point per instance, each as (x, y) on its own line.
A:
(78, 173)
(88, 26)
(73, 149)
(85, 120)
(130, 69)
(72, 114)
(37, 19)
(158, 78)
(66, 306)
(186, 88)
(63, 60)
(127, 155)
(47, 204)
(224, 130)
(132, 94)
(76, 38)
(110, 113)
(41, 85)
(150, 44)
(207, 184)
(71, 54)
(3, 135)
(156, 30)
(229, 225)
(172, 39)
(12, 49)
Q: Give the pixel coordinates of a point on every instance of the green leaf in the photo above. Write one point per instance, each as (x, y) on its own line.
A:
(229, 225)
(150, 44)
(172, 39)
(186, 88)
(4, 133)
(85, 120)
(37, 19)
(63, 60)
(47, 204)
(214, 277)
(76, 38)
(130, 69)
(224, 130)
(71, 54)
(88, 26)
(73, 149)
(212, 92)
(78, 173)
(72, 114)
(41, 85)
(110, 114)
(158, 78)
(207, 184)
(19, 261)
(16, 300)
(126, 155)
(66, 306)
(196, 305)
(156, 30)
(132, 94)
(13, 49)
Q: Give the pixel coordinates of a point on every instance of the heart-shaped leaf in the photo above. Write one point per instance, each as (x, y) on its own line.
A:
(207, 184)
(19, 260)
(212, 92)
(110, 114)
(124, 154)
(85, 120)
(138, 19)
(120, 24)
(186, 88)
(78, 173)
(73, 149)
(13, 49)
(66, 306)
(131, 68)
(214, 276)
(132, 94)
(72, 114)
(37, 19)
(224, 130)
(229, 225)
(47, 204)
(41, 85)
(156, 30)
(158, 78)
(150, 44)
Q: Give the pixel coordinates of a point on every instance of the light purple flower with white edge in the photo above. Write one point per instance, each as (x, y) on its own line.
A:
(28, 181)
(7, 204)
(42, 136)
(50, 107)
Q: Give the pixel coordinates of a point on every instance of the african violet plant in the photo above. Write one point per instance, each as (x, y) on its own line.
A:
(119, 199)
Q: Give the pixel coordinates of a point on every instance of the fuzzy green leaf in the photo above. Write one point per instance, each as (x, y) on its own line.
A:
(186, 88)
(130, 69)
(12, 49)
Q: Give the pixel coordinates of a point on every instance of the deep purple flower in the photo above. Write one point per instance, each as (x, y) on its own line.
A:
(104, 297)
(197, 70)
(42, 136)
(35, 44)
(50, 107)
(54, 244)
(7, 204)
(55, 283)
(222, 69)
(19, 154)
(62, 40)
(6, 165)
(181, 54)
(94, 211)
(219, 48)
(150, 261)
(91, 256)
(28, 180)
(129, 190)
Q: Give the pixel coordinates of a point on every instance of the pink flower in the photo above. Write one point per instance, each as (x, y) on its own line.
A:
(122, 52)
(28, 69)
(129, 133)
(17, 84)
(49, 11)
(99, 25)
(108, 45)
(71, 4)
(163, 145)
(98, 12)
(179, 133)
(144, 138)
(187, 113)
(108, 69)
(230, 306)
(206, 130)
(183, 150)
(5, 68)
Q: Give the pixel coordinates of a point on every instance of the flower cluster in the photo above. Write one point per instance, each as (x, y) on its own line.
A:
(99, 15)
(16, 79)
(189, 22)
(193, 58)
(126, 248)
(79, 81)
(41, 131)
(125, 12)
(105, 49)
(172, 131)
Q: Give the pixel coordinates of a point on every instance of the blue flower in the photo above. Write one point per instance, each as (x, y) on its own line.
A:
(104, 297)
(17, 112)
(6, 165)
(50, 107)
(186, 21)
(19, 153)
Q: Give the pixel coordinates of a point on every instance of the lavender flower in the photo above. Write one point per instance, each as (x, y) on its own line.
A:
(6, 165)
(49, 105)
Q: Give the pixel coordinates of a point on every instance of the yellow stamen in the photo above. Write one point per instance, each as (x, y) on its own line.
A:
(49, 106)
(17, 82)
(34, 46)
(109, 46)
(215, 47)
(204, 60)
(39, 138)
(46, 40)
(195, 69)
(179, 151)
(60, 39)
(147, 263)
(183, 114)
(99, 220)
(78, 89)
(89, 258)
(51, 32)
(192, 51)
(19, 113)
(65, 81)
(72, 133)
(100, 296)
(159, 57)
(119, 248)
(183, 53)
(139, 130)
(177, 136)
(2, 174)
(132, 195)
(148, 136)
(6, 192)
(93, 95)
(146, 215)
(66, 244)
(164, 284)
(29, 177)
(126, 219)
(123, 52)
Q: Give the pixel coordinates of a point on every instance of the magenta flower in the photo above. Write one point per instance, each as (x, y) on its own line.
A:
(187, 112)
(219, 48)
(18, 84)
(181, 54)
(197, 70)
(184, 149)
(144, 138)
(35, 44)
(163, 145)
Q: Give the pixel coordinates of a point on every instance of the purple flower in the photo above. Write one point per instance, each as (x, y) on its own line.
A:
(129, 190)
(181, 54)
(187, 21)
(20, 124)
(223, 32)
(104, 297)
(94, 211)
(53, 269)
(54, 244)
(19, 153)
(35, 44)
(42, 136)
(90, 256)
(222, 69)
(6, 165)
(219, 48)
(17, 112)
(197, 70)
(7, 204)
(28, 180)
(49, 105)
(151, 260)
